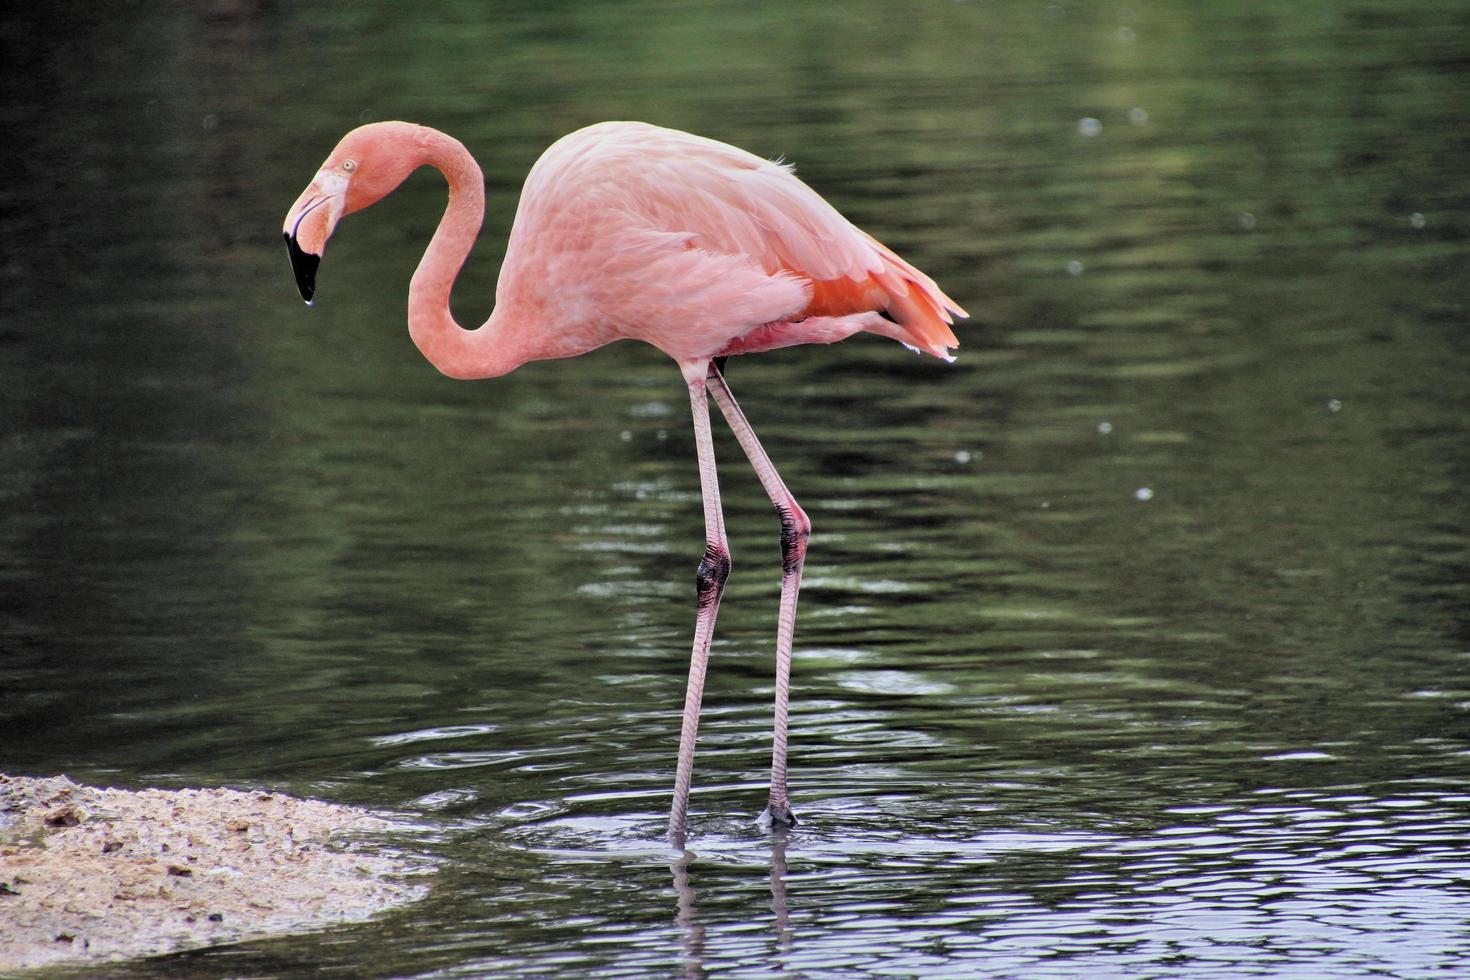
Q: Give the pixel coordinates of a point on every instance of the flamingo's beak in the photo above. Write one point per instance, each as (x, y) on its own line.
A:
(303, 264)
(309, 224)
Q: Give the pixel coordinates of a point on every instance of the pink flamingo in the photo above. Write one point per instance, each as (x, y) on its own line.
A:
(630, 231)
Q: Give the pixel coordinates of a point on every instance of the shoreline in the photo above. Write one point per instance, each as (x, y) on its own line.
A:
(89, 874)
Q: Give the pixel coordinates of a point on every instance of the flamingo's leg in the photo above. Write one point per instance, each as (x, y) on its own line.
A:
(714, 568)
(795, 529)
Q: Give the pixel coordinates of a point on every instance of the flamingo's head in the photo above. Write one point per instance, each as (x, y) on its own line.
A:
(367, 164)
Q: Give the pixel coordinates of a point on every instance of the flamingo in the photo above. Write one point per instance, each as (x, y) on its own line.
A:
(631, 231)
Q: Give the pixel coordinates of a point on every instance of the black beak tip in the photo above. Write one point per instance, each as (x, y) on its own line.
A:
(304, 265)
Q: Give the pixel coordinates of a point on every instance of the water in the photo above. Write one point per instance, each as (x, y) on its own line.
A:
(1135, 644)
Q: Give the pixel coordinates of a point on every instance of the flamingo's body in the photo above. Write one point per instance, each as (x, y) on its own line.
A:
(630, 231)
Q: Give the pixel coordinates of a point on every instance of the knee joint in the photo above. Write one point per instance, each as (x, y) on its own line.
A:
(796, 528)
(709, 578)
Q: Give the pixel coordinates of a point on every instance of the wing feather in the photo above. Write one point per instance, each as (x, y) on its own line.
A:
(724, 201)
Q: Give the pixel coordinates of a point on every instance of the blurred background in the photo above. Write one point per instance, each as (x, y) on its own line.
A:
(1137, 642)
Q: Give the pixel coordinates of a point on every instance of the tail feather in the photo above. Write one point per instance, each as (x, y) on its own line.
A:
(924, 318)
(915, 311)
(920, 308)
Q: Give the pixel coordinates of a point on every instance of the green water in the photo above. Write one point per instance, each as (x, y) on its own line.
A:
(1137, 643)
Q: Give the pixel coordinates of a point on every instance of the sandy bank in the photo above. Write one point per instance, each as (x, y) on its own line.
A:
(95, 874)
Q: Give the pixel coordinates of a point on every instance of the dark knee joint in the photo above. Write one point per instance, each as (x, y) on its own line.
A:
(709, 578)
(796, 528)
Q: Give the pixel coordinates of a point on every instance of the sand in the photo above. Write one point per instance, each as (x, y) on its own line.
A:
(90, 874)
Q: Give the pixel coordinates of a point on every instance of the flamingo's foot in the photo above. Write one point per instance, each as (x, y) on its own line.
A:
(776, 815)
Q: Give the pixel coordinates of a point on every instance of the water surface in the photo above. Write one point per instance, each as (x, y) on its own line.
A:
(1134, 644)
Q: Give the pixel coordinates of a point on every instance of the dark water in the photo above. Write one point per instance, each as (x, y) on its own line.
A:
(1135, 644)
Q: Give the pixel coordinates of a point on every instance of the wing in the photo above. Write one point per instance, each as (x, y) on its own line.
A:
(734, 206)
(737, 203)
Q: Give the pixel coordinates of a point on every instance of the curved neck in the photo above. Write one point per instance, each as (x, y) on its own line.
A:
(457, 352)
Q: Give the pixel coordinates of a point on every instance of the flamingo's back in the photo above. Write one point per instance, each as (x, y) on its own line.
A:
(718, 240)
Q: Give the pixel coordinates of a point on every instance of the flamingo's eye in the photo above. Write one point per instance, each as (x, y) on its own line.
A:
(349, 165)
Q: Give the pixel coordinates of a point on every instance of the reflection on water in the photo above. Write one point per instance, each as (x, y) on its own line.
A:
(1317, 881)
(1135, 643)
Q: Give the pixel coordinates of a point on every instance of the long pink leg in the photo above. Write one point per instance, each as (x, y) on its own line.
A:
(710, 584)
(795, 529)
